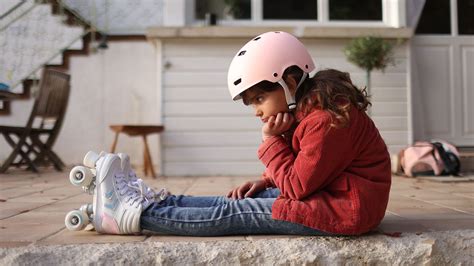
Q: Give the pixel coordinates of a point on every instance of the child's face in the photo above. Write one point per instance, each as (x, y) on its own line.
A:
(267, 104)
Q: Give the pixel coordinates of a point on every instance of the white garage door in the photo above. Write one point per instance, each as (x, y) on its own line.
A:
(443, 65)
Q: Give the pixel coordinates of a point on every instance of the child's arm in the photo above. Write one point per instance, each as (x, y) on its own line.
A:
(323, 155)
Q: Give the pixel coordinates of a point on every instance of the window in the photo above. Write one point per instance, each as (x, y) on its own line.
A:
(355, 10)
(373, 12)
(435, 18)
(284, 9)
(227, 9)
(465, 16)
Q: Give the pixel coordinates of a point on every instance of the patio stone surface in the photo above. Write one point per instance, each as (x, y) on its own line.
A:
(426, 222)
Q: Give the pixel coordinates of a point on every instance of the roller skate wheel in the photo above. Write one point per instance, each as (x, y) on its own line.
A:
(81, 176)
(90, 159)
(86, 208)
(76, 220)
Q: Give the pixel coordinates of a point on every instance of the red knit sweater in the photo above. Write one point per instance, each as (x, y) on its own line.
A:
(332, 179)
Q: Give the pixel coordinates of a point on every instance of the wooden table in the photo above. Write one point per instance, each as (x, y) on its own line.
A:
(138, 130)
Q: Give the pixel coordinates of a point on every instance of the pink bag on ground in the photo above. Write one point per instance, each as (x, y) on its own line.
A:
(427, 158)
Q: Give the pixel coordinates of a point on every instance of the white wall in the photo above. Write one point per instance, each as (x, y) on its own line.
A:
(208, 134)
(113, 86)
(444, 88)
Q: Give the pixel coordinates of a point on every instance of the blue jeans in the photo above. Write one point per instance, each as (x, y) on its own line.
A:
(218, 216)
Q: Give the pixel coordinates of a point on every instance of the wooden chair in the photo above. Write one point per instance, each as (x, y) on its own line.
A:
(138, 130)
(33, 144)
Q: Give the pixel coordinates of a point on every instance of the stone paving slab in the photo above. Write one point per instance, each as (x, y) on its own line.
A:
(448, 178)
(65, 236)
(33, 208)
(27, 232)
(464, 194)
(10, 209)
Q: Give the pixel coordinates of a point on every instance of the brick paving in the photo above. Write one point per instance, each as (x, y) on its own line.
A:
(33, 207)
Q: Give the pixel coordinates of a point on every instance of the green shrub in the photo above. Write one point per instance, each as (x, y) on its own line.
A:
(369, 53)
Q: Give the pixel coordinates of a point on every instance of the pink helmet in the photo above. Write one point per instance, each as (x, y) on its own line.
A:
(266, 57)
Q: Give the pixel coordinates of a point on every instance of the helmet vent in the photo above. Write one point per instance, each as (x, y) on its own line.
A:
(306, 66)
(242, 53)
(237, 82)
(275, 74)
(256, 39)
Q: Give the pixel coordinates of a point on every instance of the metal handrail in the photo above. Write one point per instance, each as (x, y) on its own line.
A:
(60, 51)
(76, 14)
(13, 9)
(19, 16)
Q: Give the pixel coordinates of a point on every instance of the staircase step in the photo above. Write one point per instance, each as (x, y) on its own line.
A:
(58, 60)
(15, 13)
(78, 45)
(23, 90)
(18, 89)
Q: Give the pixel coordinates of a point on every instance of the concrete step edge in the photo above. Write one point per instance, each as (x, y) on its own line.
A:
(432, 248)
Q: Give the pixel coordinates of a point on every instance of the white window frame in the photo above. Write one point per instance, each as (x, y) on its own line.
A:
(454, 23)
(454, 18)
(393, 15)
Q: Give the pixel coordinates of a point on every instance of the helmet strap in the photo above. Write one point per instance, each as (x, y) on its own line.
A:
(290, 100)
(303, 77)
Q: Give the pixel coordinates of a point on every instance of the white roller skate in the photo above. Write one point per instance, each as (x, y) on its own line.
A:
(123, 180)
(117, 205)
(133, 180)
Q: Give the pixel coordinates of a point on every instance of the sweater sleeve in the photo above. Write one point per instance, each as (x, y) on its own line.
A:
(321, 158)
(268, 180)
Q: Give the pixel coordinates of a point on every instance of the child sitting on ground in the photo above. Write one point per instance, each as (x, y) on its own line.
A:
(327, 167)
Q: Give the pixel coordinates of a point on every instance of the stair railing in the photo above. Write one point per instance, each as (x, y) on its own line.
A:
(22, 8)
(14, 82)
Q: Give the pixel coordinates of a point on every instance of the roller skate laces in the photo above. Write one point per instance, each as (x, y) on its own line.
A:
(133, 194)
(138, 183)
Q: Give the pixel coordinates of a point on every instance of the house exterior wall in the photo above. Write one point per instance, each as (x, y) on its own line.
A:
(442, 73)
(181, 83)
(113, 86)
(208, 134)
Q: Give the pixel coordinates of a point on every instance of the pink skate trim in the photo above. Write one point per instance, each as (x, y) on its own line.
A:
(109, 225)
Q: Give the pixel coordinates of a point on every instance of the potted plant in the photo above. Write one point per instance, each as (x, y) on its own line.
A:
(369, 53)
(236, 9)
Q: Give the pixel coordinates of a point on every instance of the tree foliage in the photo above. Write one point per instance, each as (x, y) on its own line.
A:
(370, 53)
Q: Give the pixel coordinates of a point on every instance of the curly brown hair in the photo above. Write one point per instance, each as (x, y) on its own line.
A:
(330, 90)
